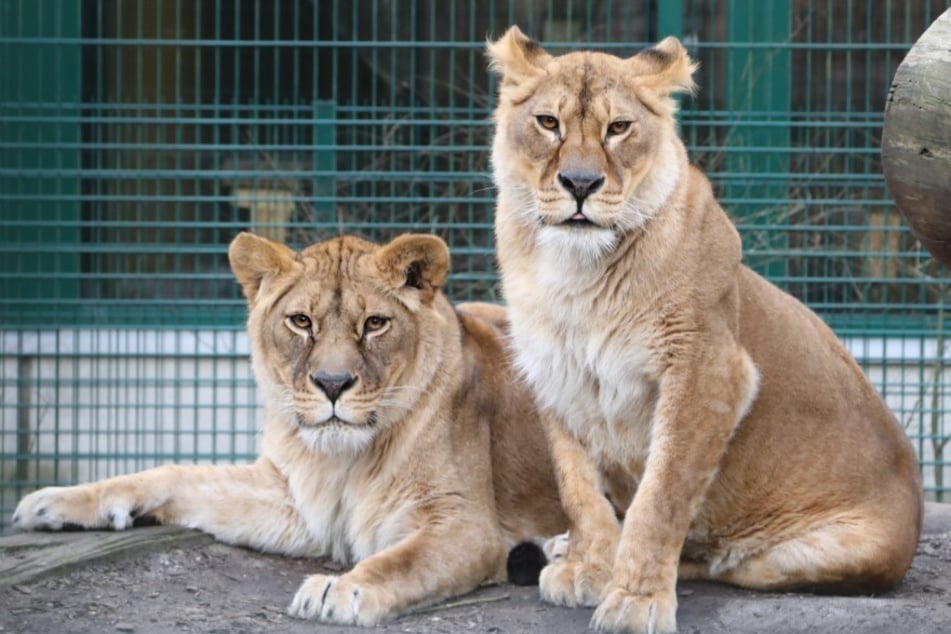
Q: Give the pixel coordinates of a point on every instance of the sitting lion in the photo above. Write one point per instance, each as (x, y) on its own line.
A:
(396, 437)
(714, 413)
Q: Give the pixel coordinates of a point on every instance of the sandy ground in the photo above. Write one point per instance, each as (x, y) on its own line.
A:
(202, 586)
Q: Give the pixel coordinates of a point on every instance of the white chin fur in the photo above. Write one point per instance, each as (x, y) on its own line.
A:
(337, 440)
(576, 246)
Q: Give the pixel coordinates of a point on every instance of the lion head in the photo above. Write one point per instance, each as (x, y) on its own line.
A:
(586, 145)
(346, 336)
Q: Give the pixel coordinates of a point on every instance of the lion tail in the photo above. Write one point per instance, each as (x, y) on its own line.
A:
(525, 563)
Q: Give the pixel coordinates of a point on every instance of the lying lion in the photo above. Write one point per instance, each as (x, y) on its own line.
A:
(716, 414)
(396, 436)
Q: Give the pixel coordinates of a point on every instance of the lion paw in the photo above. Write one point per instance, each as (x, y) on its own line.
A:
(334, 599)
(623, 611)
(556, 548)
(573, 583)
(56, 508)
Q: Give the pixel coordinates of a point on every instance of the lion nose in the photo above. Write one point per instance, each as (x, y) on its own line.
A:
(333, 385)
(580, 184)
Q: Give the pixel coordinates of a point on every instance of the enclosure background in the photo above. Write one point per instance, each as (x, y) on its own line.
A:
(138, 137)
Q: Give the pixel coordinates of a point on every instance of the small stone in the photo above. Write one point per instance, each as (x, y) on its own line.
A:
(125, 627)
(191, 589)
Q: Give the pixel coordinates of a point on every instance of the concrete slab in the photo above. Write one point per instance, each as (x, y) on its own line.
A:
(161, 580)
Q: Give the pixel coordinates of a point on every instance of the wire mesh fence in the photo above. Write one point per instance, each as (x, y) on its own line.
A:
(138, 137)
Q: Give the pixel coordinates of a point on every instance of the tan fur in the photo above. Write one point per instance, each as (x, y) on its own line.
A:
(423, 473)
(718, 416)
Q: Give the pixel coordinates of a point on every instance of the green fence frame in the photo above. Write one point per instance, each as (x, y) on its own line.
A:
(137, 137)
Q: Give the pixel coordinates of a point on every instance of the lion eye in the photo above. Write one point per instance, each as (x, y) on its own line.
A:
(618, 127)
(547, 121)
(299, 320)
(374, 323)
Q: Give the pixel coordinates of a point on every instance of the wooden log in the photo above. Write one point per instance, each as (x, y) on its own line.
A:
(28, 557)
(916, 140)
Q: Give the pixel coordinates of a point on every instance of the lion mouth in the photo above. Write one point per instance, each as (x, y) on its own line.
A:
(335, 421)
(577, 220)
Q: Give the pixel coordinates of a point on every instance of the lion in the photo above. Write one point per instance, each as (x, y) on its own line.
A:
(704, 424)
(397, 437)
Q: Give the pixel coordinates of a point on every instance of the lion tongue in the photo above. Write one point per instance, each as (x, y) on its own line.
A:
(579, 216)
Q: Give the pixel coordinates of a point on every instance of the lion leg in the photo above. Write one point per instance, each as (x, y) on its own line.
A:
(854, 555)
(246, 505)
(717, 389)
(579, 570)
(693, 571)
(437, 561)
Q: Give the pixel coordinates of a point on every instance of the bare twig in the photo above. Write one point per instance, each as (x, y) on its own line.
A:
(461, 603)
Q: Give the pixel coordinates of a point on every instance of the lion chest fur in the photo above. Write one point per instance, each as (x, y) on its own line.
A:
(589, 364)
(349, 512)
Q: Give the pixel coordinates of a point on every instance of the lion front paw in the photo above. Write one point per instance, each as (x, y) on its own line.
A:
(556, 548)
(56, 508)
(573, 583)
(334, 599)
(623, 611)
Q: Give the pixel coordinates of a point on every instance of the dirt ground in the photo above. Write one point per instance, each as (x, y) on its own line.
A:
(203, 587)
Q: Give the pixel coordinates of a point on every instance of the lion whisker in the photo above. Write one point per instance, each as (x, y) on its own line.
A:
(404, 388)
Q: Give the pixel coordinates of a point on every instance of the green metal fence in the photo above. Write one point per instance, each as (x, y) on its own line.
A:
(137, 137)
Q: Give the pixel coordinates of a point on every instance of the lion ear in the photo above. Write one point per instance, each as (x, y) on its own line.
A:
(516, 57)
(665, 69)
(253, 258)
(414, 261)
